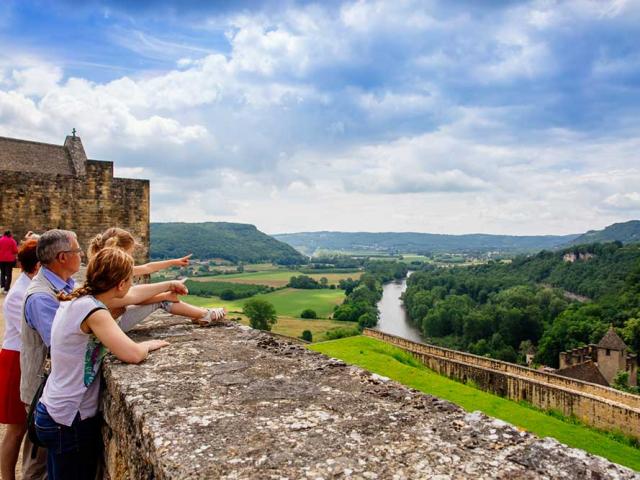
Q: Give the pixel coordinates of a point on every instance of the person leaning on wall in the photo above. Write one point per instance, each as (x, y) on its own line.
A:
(8, 251)
(12, 412)
(60, 255)
(67, 420)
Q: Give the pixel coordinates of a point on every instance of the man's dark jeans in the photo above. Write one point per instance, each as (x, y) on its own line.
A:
(6, 271)
(72, 452)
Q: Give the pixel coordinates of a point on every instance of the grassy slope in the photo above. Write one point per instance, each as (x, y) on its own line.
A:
(275, 278)
(392, 362)
(288, 302)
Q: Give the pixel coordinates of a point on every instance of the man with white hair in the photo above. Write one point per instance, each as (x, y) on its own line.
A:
(59, 254)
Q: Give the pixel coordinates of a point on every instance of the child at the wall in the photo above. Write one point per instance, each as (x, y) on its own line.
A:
(120, 238)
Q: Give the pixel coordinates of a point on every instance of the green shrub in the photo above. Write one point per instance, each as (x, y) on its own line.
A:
(306, 335)
(341, 333)
(308, 313)
(228, 294)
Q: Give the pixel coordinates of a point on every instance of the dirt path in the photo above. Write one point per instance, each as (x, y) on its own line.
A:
(568, 295)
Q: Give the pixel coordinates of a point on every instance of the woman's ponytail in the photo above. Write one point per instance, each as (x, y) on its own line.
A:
(112, 237)
(96, 244)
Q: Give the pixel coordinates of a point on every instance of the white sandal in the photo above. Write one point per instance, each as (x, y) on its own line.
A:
(212, 315)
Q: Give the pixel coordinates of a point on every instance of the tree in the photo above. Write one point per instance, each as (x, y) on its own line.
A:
(228, 294)
(324, 282)
(631, 333)
(262, 315)
(306, 335)
(348, 285)
(368, 320)
(621, 381)
(303, 282)
(308, 313)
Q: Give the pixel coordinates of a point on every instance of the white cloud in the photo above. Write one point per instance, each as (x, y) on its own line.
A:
(37, 80)
(363, 116)
(624, 201)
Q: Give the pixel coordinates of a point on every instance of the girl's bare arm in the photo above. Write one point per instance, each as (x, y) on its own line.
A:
(117, 342)
(152, 267)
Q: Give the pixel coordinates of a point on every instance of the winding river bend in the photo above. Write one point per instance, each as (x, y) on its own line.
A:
(393, 318)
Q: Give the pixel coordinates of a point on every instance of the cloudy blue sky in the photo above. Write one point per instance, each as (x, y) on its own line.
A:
(433, 116)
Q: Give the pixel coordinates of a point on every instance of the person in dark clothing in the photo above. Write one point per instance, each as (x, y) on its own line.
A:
(8, 252)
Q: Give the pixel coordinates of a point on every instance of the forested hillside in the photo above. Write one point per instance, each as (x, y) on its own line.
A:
(236, 242)
(626, 232)
(501, 309)
(404, 242)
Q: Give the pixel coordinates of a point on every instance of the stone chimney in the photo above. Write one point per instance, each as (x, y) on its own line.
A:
(78, 158)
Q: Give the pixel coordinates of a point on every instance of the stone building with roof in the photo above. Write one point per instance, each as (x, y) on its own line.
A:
(601, 362)
(44, 186)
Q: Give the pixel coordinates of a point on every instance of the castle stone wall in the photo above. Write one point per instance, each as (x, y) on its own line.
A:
(593, 404)
(87, 203)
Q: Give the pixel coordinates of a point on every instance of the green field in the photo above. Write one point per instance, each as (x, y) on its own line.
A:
(275, 278)
(288, 302)
(293, 327)
(411, 257)
(392, 362)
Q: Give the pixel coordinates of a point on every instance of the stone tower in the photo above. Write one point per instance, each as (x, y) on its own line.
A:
(612, 356)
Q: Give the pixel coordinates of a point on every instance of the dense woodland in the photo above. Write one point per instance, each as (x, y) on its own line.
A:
(472, 244)
(501, 309)
(225, 290)
(423, 243)
(236, 242)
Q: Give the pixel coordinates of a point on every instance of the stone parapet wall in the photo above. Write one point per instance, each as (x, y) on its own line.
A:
(232, 402)
(595, 405)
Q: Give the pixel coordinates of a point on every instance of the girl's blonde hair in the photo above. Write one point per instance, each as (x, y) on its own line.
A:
(112, 237)
(106, 270)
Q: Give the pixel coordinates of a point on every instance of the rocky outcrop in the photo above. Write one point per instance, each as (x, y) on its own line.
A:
(232, 402)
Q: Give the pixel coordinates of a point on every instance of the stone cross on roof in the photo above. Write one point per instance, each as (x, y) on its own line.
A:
(73, 132)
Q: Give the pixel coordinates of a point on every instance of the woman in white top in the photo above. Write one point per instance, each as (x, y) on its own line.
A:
(12, 411)
(82, 334)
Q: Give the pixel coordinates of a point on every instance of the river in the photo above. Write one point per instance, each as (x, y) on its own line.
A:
(393, 318)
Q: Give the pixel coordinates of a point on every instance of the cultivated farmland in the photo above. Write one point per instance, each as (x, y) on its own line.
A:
(276, 278)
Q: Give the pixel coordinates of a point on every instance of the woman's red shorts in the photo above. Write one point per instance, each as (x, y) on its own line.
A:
(11, 408)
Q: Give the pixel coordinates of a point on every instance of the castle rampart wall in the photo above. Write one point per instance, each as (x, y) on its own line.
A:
(86, 204)
(595, 405)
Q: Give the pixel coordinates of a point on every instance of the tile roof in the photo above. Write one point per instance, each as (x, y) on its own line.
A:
(585, 371)
(26, 156)
(612, 341)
